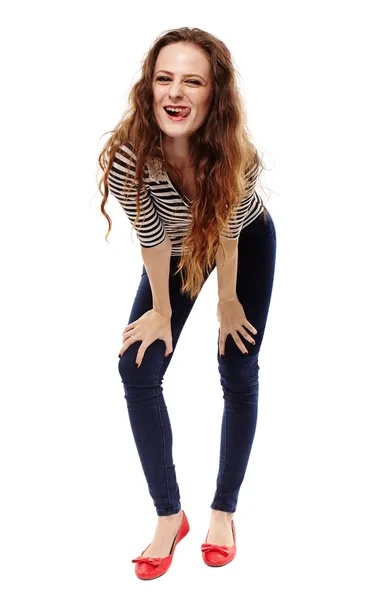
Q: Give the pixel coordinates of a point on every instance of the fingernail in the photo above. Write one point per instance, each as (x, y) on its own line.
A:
(119, 355)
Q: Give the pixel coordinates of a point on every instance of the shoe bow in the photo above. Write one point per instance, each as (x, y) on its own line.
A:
(154, 562)
(215, 548)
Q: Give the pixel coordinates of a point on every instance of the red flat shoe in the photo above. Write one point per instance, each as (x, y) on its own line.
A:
(218, 556)
(150, 568)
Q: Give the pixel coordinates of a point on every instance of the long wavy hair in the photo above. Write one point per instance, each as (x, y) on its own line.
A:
(220, 152)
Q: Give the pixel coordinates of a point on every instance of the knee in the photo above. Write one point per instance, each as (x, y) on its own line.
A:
(239, 374)
(127, 366)
(150, 369)
(139, 385)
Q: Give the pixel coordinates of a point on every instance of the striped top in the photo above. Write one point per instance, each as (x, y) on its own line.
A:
(165, 211)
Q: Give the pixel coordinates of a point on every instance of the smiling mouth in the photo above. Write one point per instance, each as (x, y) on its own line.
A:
(177, 115)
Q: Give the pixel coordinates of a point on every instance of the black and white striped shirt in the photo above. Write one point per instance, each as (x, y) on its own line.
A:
(165, 211)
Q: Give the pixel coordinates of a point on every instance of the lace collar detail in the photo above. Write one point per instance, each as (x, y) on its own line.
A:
(156, 172)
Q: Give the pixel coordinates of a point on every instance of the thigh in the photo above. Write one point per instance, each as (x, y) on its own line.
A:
(255, 275)
(154, 362)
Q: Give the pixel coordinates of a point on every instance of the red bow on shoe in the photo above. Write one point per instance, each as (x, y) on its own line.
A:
(154, 562)
(215, 548)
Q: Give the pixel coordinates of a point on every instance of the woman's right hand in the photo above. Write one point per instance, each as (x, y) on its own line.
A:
(149, 327)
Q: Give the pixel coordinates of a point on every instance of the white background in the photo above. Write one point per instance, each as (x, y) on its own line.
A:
(312, 518)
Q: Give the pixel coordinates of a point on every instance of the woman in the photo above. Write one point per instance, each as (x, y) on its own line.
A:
(183, 169)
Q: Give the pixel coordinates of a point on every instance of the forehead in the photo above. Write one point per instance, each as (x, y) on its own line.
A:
(182, 58)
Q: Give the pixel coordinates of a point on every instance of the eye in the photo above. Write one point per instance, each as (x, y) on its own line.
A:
(164, 77)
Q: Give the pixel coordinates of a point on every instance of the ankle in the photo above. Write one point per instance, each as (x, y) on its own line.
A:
(171, 518)
(221, 515)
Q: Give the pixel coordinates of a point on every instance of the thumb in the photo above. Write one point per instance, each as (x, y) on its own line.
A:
(169, 347)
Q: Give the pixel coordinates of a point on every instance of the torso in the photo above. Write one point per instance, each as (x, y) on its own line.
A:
(189, 183)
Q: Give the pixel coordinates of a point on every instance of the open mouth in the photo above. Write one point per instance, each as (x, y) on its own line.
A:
(177, 115)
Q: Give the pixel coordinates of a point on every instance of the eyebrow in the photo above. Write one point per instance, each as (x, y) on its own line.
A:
(184, 75)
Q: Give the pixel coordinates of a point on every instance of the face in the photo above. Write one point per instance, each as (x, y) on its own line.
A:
(182, 77)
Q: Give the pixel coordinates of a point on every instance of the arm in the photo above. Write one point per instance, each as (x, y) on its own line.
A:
(150, 229)
(154, 241)
(157, 265)
(230, 312)
(227, 269)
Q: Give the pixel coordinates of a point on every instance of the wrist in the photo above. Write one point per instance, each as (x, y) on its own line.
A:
(227, 297)
(164, 311)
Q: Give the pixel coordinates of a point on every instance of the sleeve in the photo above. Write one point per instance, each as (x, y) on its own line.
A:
(149, 227)
(237, 218)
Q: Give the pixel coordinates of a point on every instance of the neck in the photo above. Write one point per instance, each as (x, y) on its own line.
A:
(176, 151)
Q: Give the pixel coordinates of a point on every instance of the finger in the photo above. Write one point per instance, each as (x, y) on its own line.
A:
(141, 352)
(239, 342)
(128, 332)
(246, 336)
(250, 327)
(130, 335)
(169, 349)
(122, 350)
(129, 326)
(222, 343)
(127, 342)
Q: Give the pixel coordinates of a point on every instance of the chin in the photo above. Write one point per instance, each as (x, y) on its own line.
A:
(172, 131)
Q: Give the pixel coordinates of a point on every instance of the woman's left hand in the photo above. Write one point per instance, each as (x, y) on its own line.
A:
(232, 319)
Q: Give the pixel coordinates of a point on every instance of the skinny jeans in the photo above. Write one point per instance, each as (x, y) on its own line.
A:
(147, 410)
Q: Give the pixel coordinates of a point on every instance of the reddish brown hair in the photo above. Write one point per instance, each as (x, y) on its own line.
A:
(220, 151)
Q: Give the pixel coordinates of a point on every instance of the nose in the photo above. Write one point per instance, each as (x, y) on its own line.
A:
(175, 90)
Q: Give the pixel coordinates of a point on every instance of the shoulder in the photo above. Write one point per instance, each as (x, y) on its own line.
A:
(126, 153)
(122, 171)
(253, 165)
(152, 169)
(251, 174)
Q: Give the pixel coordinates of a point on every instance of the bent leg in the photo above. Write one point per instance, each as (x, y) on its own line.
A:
(143, 391)
(238, 372)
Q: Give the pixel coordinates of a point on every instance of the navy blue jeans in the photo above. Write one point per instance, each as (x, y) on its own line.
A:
(147, 410)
